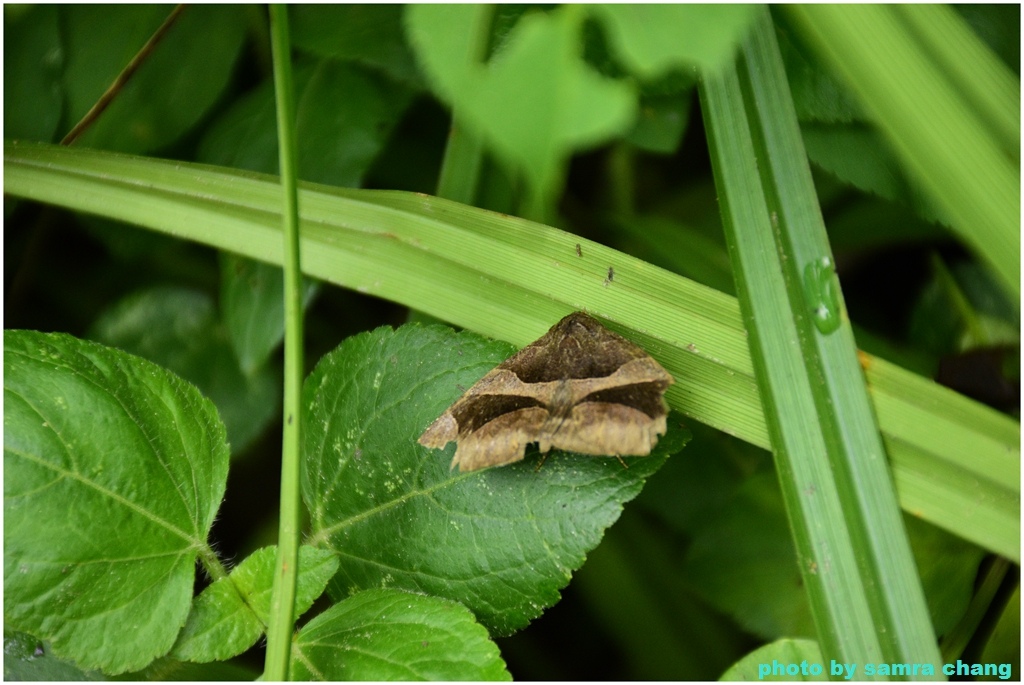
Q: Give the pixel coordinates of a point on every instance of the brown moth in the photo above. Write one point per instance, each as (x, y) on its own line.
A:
(579, 388)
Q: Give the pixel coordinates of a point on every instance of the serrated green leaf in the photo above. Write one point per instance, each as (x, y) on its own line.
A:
(858, 155)
(113, 472)
(794, 660)
(394, 635)
(500, 541)
(652, 39)
(178, 329)
(252, 301)
(231, 614)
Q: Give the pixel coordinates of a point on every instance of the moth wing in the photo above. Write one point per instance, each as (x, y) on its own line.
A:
(603, 428)
(502, 440)
(443, 430)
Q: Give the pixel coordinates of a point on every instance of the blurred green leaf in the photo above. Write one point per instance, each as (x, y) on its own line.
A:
(651, 39)
(500, 541)
(536, 102)
(252, 302)
(33, 57)
(368, 34)
(344, 116)
(178, 328)
(744, 562)
(947, 106)
(176, 85)
(1003, 646)
(113, 471)
(792, 660)
(394, 635)
(634, 589)
(948, 568)
(27, 658)
(661, 122)
(858, 155)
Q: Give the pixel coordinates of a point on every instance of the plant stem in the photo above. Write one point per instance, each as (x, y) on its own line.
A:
(282, 607)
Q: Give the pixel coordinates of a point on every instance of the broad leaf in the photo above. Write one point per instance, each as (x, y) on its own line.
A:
(393, 635)
(501, 541)
(231, 614)
(113, 472)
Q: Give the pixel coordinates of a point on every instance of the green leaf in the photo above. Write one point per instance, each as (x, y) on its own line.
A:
(793, 659)
(252, 301)
(755, 577)
(661, 122)
(344, 116)
(948, 107)
(652, 39)
(28, 658)
(178, 329)
(636, 594)
(33, 97)
(501, 541)
(113, 472)
(817, 95)
(231, 614)
(175, 86)
(167, 669)
(393, 635)
(858, 155)
(368, 34)
(537, 101)
(1003, 646)
(948, 568)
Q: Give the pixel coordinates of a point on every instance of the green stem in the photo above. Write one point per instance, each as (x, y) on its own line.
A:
(282, 606)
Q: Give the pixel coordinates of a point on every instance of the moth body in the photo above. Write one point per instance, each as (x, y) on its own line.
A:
(579, 388)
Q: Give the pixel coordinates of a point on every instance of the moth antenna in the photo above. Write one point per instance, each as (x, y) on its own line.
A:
(624, 464)
(543, 458)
